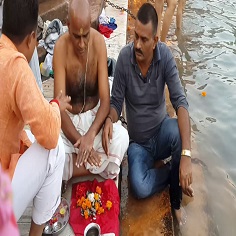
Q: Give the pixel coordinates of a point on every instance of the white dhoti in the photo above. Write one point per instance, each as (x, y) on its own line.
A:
(110, 165)
(37, 178)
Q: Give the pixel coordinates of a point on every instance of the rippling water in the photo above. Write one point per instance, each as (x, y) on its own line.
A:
(206, 57)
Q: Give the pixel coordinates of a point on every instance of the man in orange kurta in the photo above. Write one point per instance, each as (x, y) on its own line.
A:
(37, 173)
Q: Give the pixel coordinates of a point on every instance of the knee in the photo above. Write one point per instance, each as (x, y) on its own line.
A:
(121, 136)
(175, 137)
(139, 188)
(133, 152)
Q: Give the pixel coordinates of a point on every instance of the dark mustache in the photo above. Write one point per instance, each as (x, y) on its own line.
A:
(138, 51)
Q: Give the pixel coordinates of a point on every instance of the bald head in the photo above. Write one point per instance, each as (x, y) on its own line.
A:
(79, 24)
(79, 10)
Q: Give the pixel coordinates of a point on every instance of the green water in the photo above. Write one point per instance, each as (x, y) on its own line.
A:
(206, 57)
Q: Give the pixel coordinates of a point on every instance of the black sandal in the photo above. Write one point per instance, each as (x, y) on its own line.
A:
(63, 186)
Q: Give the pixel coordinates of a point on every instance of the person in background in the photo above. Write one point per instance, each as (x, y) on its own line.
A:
(163, 30)
(179, 14)
(35, 168)
(143, 69)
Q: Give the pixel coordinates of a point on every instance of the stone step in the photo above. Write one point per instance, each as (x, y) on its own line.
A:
(58, 9)
(53, 9)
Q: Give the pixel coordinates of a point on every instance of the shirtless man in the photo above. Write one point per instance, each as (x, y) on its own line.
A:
(80, 71)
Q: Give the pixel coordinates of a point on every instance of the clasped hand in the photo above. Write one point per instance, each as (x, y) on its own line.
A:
(86, 152)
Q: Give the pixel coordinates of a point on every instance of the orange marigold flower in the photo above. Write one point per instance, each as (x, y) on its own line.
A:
(100, 210)
(109, 205)
(97, 205)
(88, 204)
(86, 214)
(84, 206)
(96, 196)
(80, 201)
(204, 93)
(98, 190)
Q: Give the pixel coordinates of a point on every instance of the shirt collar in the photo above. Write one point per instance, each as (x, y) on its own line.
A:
(156, 53)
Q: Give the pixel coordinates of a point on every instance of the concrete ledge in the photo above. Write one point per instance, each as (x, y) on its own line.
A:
(54, 9)
(150, 216)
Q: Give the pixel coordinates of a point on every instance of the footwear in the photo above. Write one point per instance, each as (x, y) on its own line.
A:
(63, 186)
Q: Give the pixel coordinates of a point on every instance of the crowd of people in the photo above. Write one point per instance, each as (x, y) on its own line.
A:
(78, 133)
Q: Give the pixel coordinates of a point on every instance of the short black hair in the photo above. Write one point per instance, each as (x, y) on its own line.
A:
(20, 18)
(147, 13)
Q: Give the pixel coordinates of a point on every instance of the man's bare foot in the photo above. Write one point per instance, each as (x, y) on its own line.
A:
(181, 216)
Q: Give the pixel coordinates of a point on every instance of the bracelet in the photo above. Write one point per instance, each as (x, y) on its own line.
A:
(56, 101)
(186, 153)
(110, 118)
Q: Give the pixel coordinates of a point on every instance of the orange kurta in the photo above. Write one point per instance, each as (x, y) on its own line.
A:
(21, 103)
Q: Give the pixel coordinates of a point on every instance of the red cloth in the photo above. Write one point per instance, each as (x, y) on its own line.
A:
(106, 31)
(109, 220)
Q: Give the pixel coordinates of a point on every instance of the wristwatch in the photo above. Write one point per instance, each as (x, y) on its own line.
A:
(186, 152)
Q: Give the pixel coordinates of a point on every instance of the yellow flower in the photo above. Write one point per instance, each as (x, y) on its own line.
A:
(96, 196)
(62, 211)
(108, 205)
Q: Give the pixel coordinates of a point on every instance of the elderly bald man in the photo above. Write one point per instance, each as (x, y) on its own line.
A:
(80, 71)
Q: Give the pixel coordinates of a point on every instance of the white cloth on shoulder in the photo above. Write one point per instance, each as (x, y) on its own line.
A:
(110, 165)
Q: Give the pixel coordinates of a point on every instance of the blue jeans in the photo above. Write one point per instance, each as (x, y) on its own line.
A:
(145, 179)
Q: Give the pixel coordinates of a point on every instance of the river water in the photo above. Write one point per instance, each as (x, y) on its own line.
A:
(207, 63)
(205, 52)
